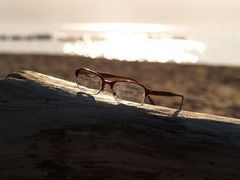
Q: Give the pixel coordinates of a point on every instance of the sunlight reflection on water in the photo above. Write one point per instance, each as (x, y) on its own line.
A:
(130, 42)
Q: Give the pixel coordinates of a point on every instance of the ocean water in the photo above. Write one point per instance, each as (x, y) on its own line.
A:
(200, 44)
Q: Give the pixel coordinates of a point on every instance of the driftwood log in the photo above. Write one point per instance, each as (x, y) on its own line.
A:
(48, 130)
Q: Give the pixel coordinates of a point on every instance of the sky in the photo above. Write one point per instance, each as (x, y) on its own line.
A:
(121, 11)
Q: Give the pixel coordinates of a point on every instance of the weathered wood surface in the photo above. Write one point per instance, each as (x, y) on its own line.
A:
(50, 131)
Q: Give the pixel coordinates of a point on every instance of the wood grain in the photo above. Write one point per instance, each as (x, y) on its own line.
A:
(48, 130)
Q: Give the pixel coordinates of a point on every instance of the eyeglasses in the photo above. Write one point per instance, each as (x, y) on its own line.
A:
(125, 90)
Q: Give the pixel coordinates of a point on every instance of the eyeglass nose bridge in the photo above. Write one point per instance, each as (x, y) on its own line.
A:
(109, 82)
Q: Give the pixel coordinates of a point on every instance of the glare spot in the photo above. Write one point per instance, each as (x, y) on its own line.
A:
(68, 48)
(128, 44)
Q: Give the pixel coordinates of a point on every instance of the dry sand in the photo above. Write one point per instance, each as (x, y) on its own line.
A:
(207, 89)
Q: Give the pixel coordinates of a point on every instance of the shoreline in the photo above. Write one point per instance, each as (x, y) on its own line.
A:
(55, 54)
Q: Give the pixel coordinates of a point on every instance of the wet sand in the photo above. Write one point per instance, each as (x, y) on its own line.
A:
(207, 89)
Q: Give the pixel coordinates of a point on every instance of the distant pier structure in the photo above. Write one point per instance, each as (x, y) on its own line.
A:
(19, 37)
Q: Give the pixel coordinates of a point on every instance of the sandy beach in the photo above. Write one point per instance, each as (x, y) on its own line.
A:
(207, 89)
(49, 130)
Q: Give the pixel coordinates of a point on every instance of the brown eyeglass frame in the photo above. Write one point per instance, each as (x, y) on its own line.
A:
(148, 91)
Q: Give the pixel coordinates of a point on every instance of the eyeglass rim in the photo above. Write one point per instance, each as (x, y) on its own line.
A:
(125, 79)
(112, 83)
(132, 82)
(121, 78)
(103, 74)
(94, 72)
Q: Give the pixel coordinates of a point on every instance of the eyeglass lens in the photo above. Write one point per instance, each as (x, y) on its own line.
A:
(89, 82)
(129, 93)
(124, 92)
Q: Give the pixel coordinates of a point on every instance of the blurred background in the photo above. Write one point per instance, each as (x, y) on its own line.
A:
(155, 30)
(187, 47)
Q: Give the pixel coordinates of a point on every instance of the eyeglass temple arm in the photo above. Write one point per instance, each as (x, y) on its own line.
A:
(165, 93)
(151, 100)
